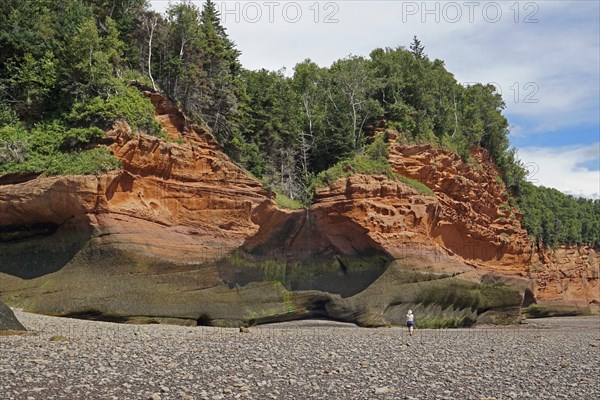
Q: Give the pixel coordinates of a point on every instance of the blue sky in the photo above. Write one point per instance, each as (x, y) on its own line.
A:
(542, 55)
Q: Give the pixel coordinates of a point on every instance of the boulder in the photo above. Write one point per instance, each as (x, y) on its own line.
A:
(8, 321)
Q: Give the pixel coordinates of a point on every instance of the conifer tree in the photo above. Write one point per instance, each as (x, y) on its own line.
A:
(221, 85)
(417, 48)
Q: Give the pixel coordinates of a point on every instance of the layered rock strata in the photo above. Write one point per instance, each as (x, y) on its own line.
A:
(182, 234)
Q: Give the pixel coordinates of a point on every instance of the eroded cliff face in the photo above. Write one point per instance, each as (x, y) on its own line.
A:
(141, 241)
(475, 220)
(181, 233)
(171, 198)
(567, 279)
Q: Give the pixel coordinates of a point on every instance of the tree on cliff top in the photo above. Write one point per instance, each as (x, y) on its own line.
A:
(221, 85)
(417, 49)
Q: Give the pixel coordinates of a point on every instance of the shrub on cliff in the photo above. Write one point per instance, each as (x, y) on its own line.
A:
(285, 202)
(126, 104)
(359, 164)
(419, 186)
(372, 162)
(66, 144)
(54, 149)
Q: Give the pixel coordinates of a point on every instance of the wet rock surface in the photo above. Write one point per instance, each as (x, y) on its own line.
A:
(547, 358)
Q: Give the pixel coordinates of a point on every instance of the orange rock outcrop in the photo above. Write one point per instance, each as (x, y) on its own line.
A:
(567, 276)
(185, 202)
(475, 220)
(181, 199)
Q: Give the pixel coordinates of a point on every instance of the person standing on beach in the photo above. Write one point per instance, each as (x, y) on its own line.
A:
(410, 322)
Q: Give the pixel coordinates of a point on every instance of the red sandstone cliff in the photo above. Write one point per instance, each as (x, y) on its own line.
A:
(567, 276)
(183, 204)
(475, 220)
(177, 200)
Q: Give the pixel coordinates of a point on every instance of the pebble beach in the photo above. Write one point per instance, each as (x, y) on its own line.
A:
(60, 358)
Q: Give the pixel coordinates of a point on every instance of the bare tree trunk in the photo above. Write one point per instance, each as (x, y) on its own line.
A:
(151, 26)
(304, 146)
(455, 116)
(183, 42)
(142, 59)
(215, 129)
(186, 97)
(354, 118)
(112, 9)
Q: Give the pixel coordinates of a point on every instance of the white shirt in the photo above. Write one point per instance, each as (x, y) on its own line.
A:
(409, 317)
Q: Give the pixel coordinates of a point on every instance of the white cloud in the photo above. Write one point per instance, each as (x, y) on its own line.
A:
(563, 168)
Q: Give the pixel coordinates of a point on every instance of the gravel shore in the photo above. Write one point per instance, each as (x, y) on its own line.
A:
(63, 358)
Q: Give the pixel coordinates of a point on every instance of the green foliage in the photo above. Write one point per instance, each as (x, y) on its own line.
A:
(359, 164)
(331, 110)
(35, 79)
(283, 129)
(350, 86)
(127, 104)
(7, 116)
(75, 138)
(90, 69)
(284, 201)
(248, 154)
(53, 149)
(417, 49)
(87, 162)
(60, 78)
(419, 186)
(272, 123)
(13, 146)
(373, 162)
(54, 54)
(196, 64)
(556, 218)
(378, 150)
